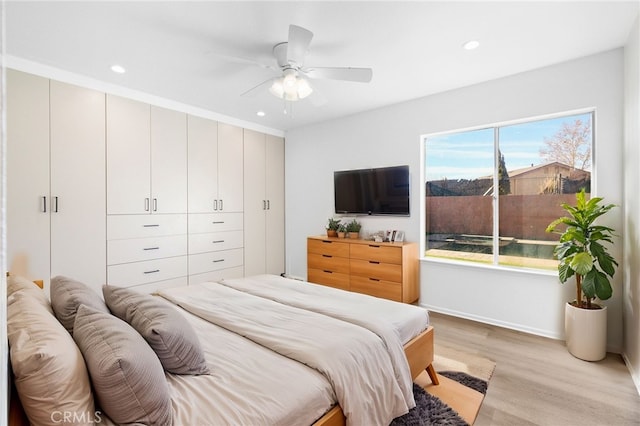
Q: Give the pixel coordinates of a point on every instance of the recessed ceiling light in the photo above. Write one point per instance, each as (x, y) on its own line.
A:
(471, 44)
(118, 69)
(260, 114)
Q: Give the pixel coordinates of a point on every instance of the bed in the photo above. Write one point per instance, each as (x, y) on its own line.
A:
(256, 375)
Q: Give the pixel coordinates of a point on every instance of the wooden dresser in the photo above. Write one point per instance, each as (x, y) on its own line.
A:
(387, 270)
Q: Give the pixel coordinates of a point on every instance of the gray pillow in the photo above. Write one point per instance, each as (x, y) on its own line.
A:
(128, 380)
(166, 330)
(67, 295)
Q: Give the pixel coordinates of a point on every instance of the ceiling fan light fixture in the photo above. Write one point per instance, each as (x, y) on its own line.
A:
(290, 86)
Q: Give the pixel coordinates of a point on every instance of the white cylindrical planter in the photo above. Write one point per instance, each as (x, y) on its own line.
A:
(586, 332)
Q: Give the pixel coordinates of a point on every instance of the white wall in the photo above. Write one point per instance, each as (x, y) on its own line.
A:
(389, 136)
(631, 277)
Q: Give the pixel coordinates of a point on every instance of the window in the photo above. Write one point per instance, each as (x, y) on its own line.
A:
(491, 192)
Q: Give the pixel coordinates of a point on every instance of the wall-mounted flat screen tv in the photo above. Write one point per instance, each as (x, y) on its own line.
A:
(379, 191)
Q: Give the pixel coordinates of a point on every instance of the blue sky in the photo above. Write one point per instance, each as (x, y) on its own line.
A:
(469, 155)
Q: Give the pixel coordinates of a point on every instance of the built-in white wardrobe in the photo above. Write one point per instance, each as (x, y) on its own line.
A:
(264, 203)
(55, 179)
(103, 188)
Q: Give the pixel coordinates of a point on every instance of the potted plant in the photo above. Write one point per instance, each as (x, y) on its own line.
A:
(332, 227)
(342, 230)
(581, 254)
(353, 228)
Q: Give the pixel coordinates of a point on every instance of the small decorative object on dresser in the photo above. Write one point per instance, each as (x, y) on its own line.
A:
(332, 227)
(342, 230)
(353, 228)
(386, 270)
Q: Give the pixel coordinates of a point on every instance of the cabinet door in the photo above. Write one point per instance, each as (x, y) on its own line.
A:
(168, 161)
(230, 168)
(128, 156)
(274, 228)
(254, 203)
(202, 164)
(78, 216)
(27, 175)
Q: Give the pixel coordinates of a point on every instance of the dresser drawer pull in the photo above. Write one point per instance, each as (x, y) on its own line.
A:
(327, 242)
(151, 226)
(217, 222)
(328, 272)
(218, 260)
(374, 246)
(375, 262)
(374, 279)
(151, 248)
(217, 241)
(152, 272)
(327, 255)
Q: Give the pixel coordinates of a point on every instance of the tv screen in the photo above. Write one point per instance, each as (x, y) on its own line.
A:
(379, 191)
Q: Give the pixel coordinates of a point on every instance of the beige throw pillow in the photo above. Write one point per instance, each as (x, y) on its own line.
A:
(128, 379)
(165, 329)
(50, 374)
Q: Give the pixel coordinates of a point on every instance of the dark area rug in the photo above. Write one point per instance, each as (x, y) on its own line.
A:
(431, 411)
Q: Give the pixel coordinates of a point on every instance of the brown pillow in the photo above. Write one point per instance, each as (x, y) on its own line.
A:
(128, 380)
(166, 330)
(67, 295)
(50, 374)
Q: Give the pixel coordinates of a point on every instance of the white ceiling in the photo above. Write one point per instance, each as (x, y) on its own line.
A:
(187, 51)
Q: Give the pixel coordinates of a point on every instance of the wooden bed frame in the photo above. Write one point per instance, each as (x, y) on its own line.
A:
(419, 352)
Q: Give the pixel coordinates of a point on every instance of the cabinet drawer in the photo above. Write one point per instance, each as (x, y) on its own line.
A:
(378, 253)
(213, 261)
(215, 222)
(328, 263)
(330, 279)
(159, 285)
(330, 247)
(215, 241)
(136, 273)
(145, 225)
(215, 276)
(377, 288)
(377, 270)
(139, 249)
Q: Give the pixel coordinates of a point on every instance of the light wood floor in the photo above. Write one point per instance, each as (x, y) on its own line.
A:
(537, 382)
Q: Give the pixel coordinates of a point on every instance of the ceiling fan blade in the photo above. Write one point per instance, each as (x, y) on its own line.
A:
(259, 88)
(362, 75)
(298, 44)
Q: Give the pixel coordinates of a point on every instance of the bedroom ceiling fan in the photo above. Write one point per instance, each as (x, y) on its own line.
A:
(293, 84)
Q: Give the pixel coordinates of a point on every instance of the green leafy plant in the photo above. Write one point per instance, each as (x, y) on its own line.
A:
(342, 228)
(333, 224)
(354, 226)
(580, 251)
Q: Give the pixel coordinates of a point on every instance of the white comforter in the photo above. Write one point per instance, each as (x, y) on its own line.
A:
(388, 319)
(354, 360)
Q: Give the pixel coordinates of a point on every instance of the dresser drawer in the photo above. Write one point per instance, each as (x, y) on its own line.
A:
(213, 261)
(377, 270)
(328, 263)
(330, 247)
(215, 276)
(330, 279)
(139, 249)
(215, 241)
(377, 288)
(136, 273)
(378, 253)
(147, 225)
(215, 222)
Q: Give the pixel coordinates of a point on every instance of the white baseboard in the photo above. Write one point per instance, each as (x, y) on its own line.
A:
(635, 375)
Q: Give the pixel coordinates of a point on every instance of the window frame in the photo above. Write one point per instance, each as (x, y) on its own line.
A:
(495, 264)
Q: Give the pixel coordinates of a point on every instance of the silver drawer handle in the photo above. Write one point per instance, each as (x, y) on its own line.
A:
(151, 248)
(218, 261)
(217, 222)
(152, 272)
(217, 241)
(151, 226)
